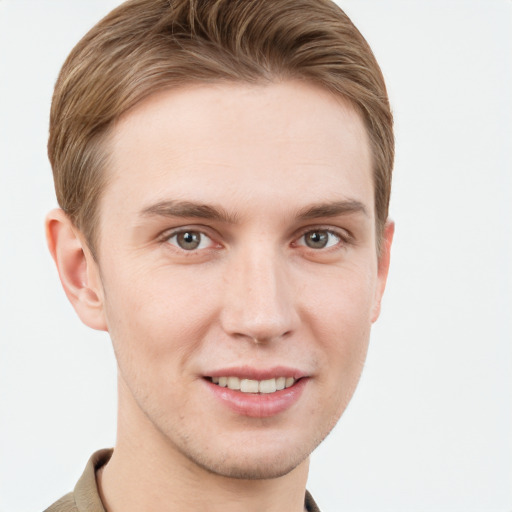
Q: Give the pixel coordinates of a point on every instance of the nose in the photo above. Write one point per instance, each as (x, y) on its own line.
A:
(259, 299)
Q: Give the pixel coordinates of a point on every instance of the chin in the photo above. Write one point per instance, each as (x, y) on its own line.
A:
(248, 467)
(254, 456)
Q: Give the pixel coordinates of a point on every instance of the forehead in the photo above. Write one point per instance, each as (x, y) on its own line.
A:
(240, 143)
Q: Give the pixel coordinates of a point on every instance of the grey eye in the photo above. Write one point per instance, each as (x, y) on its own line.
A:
(190, 240)
(319, 239)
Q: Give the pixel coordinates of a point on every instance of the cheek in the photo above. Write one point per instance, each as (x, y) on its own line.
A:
(340, 318)
(156, 319)
(342, 302)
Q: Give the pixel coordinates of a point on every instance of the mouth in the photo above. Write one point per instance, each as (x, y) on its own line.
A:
(257, 393)
(251, 386)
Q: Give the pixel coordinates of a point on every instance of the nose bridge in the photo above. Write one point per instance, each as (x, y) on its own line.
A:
(259, 300)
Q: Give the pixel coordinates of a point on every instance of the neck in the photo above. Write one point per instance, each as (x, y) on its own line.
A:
(146, 472)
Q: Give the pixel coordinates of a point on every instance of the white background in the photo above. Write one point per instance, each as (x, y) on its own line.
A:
(430, 427)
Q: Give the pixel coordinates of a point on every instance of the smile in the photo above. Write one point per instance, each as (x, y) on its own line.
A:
(254, 386)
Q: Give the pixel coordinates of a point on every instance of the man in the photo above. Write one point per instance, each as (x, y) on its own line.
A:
(223, 170)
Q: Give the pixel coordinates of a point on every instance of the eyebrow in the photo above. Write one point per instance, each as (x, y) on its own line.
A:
(332, 209)
(188, 209)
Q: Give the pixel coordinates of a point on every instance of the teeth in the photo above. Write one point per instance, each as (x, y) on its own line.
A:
(233, 383)
(268, 386)
(280, 383)
(254, 386)
(249, 386)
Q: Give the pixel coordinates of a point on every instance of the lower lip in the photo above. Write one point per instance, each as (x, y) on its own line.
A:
(261, 405)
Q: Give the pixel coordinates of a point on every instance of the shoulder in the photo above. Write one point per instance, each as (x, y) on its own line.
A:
(85, 497)
(310, 504)
(65, 504)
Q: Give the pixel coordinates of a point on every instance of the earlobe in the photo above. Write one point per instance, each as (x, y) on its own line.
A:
(383, 267)
(78, 271)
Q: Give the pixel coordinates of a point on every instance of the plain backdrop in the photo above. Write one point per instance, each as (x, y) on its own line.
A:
(430, 426)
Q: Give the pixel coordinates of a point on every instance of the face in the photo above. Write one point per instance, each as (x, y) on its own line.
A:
(239, 274)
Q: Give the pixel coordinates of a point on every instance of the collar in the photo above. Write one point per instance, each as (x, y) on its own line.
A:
(86, 495)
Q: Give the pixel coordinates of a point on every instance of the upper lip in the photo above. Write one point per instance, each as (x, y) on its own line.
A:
(248, 372)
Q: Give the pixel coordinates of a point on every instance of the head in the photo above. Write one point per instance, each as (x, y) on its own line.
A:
(146, 46)
(223, 170)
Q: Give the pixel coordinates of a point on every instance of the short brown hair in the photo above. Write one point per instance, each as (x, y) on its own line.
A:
(144, 46)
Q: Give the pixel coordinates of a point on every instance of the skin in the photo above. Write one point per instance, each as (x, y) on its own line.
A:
(284, 165)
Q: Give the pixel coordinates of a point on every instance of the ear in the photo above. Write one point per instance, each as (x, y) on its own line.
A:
(78, 271)
(383, 266)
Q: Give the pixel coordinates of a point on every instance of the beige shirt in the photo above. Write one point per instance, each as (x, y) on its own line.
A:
(86, 498)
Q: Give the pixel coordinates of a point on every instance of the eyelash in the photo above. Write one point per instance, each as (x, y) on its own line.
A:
(343, 239)
(167, 236)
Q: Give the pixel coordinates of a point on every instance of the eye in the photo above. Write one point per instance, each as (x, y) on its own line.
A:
(319, 239)
(190, 240)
